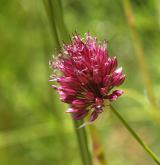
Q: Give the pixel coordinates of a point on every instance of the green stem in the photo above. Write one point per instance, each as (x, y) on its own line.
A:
(59, 20)
(98, 147)
(139, 51)
(134, 134)
(55, 15)
(83, 143)
(51, 18)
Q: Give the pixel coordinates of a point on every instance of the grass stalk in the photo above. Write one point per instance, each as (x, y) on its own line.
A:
(57, 11)
(50, 14)
(135, 135)
(140, 53)
(60, 33)
(98, 148)
(83, 143)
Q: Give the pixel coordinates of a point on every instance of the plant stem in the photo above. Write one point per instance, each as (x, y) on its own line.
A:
(83, 143)
(51, 18)
(55, 15)
(135, 135)
(142, 61)
(98, 148)
(57, 10)
(140, 53)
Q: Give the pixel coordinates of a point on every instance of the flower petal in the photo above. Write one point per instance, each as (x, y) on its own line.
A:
(94, 116)
(115, 94)
(80, 114)
(79, 103)
(118, 80)
(72, 110)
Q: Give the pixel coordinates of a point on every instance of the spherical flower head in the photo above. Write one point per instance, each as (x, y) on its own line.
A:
(86, 76)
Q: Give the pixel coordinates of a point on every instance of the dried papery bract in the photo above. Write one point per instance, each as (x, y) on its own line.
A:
(87, 77)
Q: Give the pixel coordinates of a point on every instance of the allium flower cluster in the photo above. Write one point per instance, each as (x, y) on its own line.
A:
(86, 76)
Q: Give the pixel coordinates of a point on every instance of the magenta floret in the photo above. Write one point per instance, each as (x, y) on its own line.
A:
(86, 76)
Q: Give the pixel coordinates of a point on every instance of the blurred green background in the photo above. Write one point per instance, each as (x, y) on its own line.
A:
(34, 128)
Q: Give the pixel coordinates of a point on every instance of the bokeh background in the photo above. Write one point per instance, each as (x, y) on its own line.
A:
(34, 128)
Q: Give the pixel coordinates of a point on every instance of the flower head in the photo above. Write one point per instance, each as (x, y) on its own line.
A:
(86, 76)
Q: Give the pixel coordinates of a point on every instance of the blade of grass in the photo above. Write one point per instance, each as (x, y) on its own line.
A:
(50, 14)
(53, 98)
(58, 16)
(135, 135)
(140, 53)
(83, 143)
(98, 148)
(62, 34)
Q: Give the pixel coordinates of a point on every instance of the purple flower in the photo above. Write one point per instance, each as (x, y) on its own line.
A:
(86, 76)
